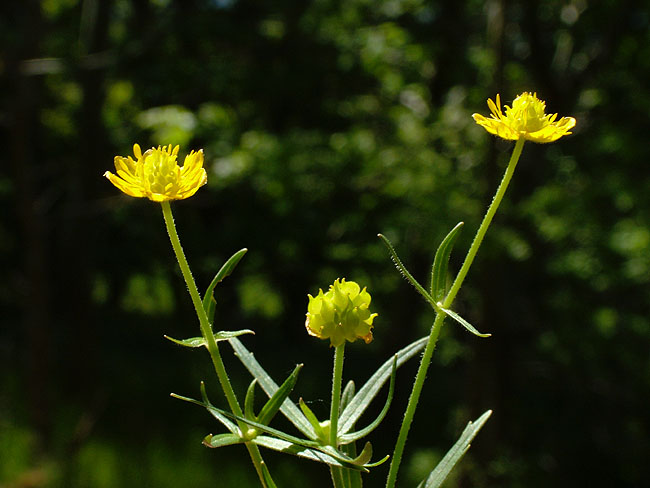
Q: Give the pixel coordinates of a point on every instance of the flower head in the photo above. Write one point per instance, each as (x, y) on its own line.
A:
(156, 175)
(526, 118)
(340, 314)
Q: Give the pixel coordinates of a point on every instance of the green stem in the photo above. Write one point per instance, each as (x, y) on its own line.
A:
(337, 477)
(487, 220)
(208, 335)
(337, 374)
(440, 317)
(413, 399)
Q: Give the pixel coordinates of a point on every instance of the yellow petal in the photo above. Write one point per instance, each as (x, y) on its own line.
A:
(122, 185)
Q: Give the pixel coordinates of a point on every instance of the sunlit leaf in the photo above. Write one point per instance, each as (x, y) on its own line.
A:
(293, 440)
(444, 467)
(288, 408)
(463, 322)
(441, 262)
(231, 426)
(313, 420)
(304, 452)
(360, 434)
(222, 335)
(222, 440)
(249, 401)
(402, 269)
(267, 476)
(275, 402)
(209, 302)
(367, 393)
(348, 394)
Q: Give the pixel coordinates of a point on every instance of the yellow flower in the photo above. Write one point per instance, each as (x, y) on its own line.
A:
(340, 314)
(156, 174)
(526, 118)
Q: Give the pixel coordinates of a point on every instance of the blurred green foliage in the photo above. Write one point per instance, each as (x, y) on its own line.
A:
(323, 123)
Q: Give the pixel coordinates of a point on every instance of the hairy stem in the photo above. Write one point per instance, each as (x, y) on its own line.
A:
(487, 220)
(208, 335)
(440, 316)
(337, 375)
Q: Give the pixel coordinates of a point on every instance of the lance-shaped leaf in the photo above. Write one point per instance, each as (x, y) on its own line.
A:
(249, 401)
(364, 458)
(222, 440)
(222, 335)
(462, 321)
(267, 476)
(360, 434)
(209, 303)
(231, 426)
(303, 452)
(367, 393)
(321, 433)
(305, 443)
(288, 408)
(444, 467)
(275, 402)
(348, 394)
(441, 262)
(402, 269)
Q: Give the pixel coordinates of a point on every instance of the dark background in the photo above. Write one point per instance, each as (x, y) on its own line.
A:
(323, 123)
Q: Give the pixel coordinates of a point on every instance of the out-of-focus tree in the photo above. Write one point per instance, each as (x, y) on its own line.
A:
(324, 123)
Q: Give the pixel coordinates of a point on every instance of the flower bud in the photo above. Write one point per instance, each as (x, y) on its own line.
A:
(340, 314)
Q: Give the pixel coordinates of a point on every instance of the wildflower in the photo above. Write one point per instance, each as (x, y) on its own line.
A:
(156, 174)
(526, 118)
(340, 314)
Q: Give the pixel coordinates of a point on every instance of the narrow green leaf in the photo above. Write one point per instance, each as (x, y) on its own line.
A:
(305, 443)
(463, 322)
(210, 307)
(441, 262)
(360, 434)
(348, 394)
(222, 335)
(221, 440)
(286, 447)
(367, 393)
(313, 420)
(214, 412)
(208, 300)
(249, 401)
(267, 476)
(191, 342)
(365, 456)
(402, 269)
(377, 463)
(263, 428)
(288, 408)
(444, 467)
(275, 402)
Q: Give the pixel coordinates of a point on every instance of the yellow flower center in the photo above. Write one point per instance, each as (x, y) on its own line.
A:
(162, 174)
(527, 113)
